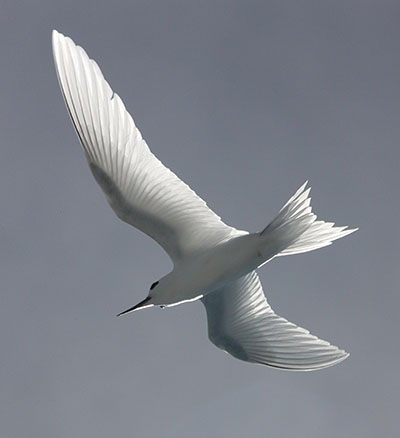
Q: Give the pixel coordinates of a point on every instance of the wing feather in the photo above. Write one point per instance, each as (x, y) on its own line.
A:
(139, 188)
(241, 322)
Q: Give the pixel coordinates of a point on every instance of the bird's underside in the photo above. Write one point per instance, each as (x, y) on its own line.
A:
(148, 196)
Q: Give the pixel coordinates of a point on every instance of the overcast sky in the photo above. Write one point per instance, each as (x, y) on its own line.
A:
(244, 100)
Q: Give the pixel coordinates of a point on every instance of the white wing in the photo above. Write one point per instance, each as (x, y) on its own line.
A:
(241, 322)
(139, 188)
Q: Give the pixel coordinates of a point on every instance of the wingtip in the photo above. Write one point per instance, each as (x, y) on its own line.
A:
(340, 357)
(343, 356)
(55, 38)
(55, 34)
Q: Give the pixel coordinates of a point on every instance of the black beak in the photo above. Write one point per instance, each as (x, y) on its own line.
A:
(138, 306)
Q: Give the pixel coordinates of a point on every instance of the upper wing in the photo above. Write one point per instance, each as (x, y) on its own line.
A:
(241, 322)
(139, 188)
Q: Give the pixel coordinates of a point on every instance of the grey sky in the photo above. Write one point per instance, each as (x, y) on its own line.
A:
(244, 101)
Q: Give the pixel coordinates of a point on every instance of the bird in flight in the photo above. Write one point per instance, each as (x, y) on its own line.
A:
(212, 261)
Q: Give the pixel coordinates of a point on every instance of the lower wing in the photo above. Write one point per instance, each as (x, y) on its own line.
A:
(241, 322)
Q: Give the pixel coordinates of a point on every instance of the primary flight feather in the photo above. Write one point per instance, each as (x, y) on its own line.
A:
(212, 261)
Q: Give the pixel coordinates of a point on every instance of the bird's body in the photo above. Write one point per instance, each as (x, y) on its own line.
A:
(207, 271)
(212, 261)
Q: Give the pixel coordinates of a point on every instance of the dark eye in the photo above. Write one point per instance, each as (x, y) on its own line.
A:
(153, 285)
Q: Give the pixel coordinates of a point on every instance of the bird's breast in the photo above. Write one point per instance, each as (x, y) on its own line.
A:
(215, 267)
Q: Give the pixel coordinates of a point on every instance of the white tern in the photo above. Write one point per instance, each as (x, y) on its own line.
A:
(211, 260)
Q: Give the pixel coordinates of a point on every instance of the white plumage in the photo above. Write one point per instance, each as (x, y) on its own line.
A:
(212, 261)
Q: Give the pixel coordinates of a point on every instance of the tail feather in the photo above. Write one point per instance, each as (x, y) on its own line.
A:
(295, 229)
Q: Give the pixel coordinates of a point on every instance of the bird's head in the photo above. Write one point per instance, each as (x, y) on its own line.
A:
(152, 298)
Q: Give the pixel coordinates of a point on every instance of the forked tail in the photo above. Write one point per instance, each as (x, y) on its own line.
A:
(295, 229)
